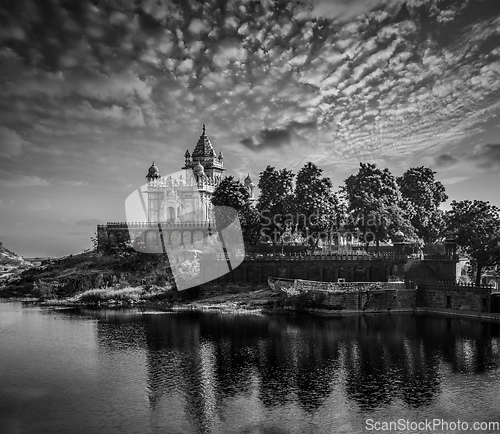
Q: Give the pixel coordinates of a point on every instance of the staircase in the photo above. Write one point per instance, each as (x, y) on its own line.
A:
(420, 299)
(418, 270)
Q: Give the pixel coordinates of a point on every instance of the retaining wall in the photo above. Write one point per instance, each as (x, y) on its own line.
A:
(326, 269)
(436, 295)
(389, 296)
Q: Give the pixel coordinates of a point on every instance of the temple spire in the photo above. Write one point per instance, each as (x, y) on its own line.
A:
(204, 148)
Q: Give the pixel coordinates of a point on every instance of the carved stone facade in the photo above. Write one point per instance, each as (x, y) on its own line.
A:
(185, 196)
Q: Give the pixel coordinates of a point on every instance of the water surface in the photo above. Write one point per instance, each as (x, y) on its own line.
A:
(125, 371)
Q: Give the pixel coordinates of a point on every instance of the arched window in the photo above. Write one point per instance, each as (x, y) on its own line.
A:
(171, 214)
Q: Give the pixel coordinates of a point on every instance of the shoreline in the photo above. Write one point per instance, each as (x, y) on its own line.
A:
(234, 304)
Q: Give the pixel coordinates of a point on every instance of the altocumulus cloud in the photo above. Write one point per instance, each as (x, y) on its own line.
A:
(380, 77)
(87, 89)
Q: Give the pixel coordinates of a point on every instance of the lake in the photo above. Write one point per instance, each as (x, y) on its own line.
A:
(84, 370)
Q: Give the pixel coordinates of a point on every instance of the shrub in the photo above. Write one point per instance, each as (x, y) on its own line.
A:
(111, 294)
(45, 290)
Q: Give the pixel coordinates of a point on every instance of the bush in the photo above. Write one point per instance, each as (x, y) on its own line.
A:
(45, 290)
(111, 294)
(128, 295)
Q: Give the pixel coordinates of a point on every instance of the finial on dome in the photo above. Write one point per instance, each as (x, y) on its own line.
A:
(204, 128)
(153, 172)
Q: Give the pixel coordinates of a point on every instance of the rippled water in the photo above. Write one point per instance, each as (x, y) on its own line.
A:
(123, 371)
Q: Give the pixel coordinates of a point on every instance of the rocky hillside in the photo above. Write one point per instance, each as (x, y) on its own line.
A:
(63, 277)
(11, 265)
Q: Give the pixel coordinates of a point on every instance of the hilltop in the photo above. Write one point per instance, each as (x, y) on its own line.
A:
(11, 264)
(125, 278)
(74, 274)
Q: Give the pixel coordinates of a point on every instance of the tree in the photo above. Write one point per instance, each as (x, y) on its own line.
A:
(232, 194)
(425, 194)
(250, 224)
(476, 226)
(375, 205)
(314, 203)
(275, 202)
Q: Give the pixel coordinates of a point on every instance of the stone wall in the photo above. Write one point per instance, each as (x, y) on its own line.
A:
(353, 266)
(436, 295)
(258, 270)
(388, 296)
(347, 297)
(119, 235)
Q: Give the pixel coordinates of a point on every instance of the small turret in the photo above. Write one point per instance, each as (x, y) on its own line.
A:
(249, 185)
(187, 158)
(153, 173)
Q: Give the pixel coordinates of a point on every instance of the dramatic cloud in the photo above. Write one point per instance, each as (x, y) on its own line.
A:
(446, 160)
(367, 73)
(91, 92)
(340, 9)
(268, 139)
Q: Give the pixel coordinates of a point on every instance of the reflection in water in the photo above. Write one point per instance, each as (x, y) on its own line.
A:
(208, 359)
(192, 372)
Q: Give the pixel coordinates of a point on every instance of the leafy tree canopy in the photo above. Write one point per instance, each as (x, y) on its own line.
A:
(419, 188)
(275, 201)
(314, 202)
(232, 193)
(476, 226)
(375, 204)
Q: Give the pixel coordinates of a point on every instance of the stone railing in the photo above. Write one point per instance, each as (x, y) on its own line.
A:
(301, 256)
(439, 256)
(154, 225)
(184, 184)
(454, 286)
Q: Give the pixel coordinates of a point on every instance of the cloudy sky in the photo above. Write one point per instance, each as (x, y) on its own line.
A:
(92, 91)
